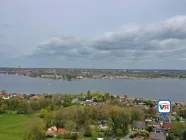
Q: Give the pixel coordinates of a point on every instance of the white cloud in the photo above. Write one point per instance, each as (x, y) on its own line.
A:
(160, 40)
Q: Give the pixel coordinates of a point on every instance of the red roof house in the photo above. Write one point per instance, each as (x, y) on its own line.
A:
(34, 97)
(6, 96)
(167, 125)
(61, 130)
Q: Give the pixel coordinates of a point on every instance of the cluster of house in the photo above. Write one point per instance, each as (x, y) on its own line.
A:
(88, 101)
(119, 101)
(6, 96)
(52, 131)
(161, 127)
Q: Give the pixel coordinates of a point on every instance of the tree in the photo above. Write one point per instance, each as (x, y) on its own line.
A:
(88, 93)
(94, 134)
(3, 91)
(100, 134)
(125, 97)
(35, 130)
(149, 102)
(67, 102)
(95, 99)
(184, 135)
(121, 122)
(80, 117)
(118, 97)
(12, 104)
(125, 119)
(43, 113)
(119, 132)
(87, 132)
(24, 108)
(3, 108)
(152, 111)
(109, 131)
(107, 95)
(35, 105)
(112, 97)
(149, 128)
(103, 98)
(70, 126)
(173, 106)
(50, 119)
(137, 114)
(178, 128)
(60, 118)
(184, 113)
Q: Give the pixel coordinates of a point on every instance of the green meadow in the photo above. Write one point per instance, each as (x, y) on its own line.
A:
(12, 126)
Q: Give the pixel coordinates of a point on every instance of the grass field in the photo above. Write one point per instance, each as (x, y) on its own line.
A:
(12, 126)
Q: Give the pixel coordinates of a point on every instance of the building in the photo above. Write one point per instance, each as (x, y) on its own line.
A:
(160, 130)
(34, 97)
(89, 99)
(153, 123)
(138, 125)
(157, 136)
(167, 125)
(182, 119)
(148, 120)
(103, 124)
(6, 96)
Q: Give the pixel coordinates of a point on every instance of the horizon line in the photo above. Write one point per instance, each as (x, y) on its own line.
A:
(92, 68)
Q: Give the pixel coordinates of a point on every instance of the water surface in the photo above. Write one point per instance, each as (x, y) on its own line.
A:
(174, 90)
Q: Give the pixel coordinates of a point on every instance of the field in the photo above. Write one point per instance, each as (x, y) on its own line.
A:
(12, 126)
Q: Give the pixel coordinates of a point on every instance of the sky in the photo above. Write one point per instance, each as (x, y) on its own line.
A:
(109, 34)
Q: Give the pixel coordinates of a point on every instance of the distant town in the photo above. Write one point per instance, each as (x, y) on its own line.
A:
(74, 74)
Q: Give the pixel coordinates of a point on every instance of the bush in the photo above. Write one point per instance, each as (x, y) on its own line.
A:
(3, 108)
(108, 133)
(94, 134)
(74, 136)
(70, 126)
(43, 113)
(59, 136)
(149, 128)
(35, 130)
(139, 133)
(100, 134)
(119, 132)
(67, 135)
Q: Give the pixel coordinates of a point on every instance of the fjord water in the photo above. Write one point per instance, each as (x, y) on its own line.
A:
(172, 89)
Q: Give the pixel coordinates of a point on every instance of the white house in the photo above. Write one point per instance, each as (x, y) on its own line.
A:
(6, 96)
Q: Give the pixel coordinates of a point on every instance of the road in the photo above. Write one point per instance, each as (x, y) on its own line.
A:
(127, 137)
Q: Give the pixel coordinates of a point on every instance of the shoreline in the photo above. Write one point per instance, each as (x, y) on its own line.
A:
(127, 78)
(84, 93)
